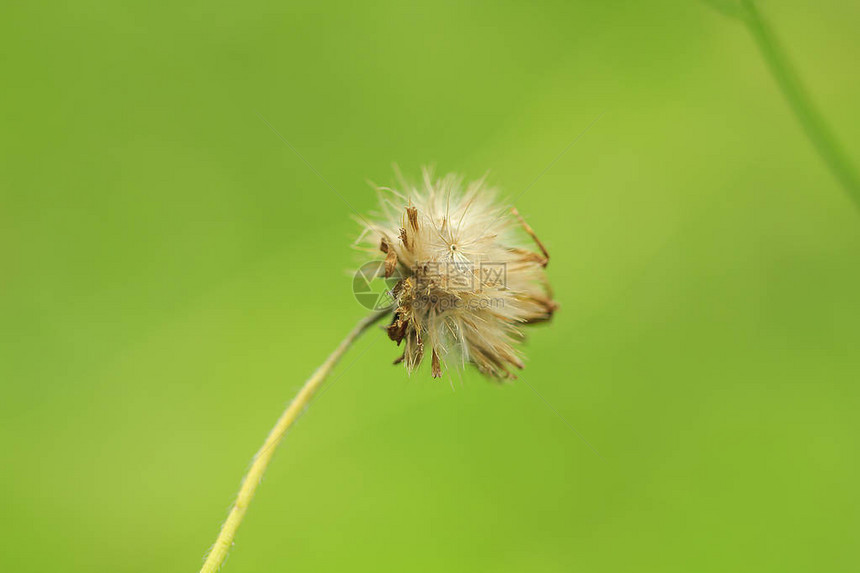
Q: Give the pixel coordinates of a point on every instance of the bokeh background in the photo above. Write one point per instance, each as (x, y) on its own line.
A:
(171, 272)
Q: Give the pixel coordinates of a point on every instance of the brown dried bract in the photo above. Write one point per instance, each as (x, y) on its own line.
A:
(545, 260)
(390, 262)
(435, 367)
(397, 329)
(412, 214)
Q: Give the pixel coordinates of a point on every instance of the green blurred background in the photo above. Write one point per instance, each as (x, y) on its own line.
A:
(171, 272)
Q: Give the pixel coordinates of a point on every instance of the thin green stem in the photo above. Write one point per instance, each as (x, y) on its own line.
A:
(813, 123)
(224, 542)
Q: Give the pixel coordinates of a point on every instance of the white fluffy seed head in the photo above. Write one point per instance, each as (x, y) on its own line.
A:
(467, 281)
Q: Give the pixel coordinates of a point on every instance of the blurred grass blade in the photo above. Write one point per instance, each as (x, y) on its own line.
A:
(810, 118)
(730, 8)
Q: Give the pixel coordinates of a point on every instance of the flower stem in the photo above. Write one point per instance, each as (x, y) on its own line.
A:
(224, 542)
(810, 118)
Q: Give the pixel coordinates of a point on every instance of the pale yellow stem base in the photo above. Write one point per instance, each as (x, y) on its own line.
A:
(224, 542)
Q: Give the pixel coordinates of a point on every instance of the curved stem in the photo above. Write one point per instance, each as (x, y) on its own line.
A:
(810, 118)
(224, 542)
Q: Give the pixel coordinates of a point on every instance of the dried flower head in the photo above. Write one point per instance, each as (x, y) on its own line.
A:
(467, 282)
